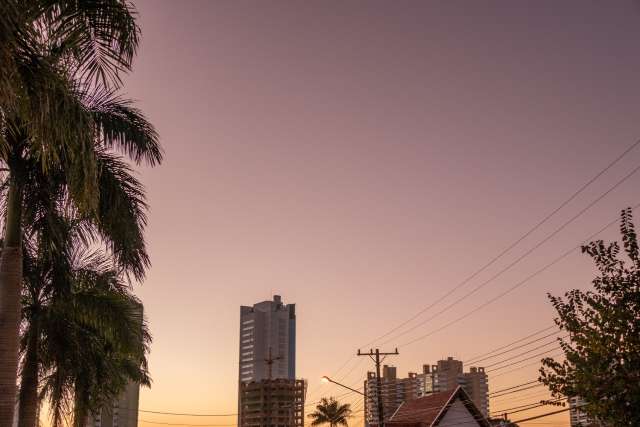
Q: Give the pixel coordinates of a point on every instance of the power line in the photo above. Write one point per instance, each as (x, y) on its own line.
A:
(187, 425)
(544, 393)
(526, 407)
(512, 387)
(517, 285)
(524, 366)
(521, 257)
(186, 414)
(494, 259)
(524, 352)
(517, 391)
(522, 360)
(542, 416)
(520, 239)
(475, 361)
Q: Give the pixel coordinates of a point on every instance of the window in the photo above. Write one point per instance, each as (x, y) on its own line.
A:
(247, 322)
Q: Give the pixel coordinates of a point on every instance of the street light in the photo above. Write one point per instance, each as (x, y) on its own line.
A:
(326, 379)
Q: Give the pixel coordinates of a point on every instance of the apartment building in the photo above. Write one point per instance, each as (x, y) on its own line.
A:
(445, 375)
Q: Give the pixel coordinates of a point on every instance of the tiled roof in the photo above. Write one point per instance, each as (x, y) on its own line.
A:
(422, 410)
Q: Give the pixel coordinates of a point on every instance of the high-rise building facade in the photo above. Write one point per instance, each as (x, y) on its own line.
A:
(267, 332)
(269, 395)
(277, 402)
(446, 375)
(476, 384)
(394, 391)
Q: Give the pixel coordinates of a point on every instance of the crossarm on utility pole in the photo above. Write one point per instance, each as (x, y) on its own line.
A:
(375, 355)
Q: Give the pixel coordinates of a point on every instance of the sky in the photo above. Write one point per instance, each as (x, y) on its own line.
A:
(361, 159)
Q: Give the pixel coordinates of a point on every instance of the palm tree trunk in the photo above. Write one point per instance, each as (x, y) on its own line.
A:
(10, 280)
(28, 409)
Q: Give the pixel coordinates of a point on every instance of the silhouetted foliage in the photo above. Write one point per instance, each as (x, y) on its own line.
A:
(603, 349)
(330, 411)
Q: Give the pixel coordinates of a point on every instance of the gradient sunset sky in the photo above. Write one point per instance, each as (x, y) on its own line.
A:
(361, 159)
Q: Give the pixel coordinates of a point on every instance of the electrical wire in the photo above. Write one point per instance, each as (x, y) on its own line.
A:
(524, 366)
(522, 360)
(524, 353)
(512, 387)
(517, 241)
(475, 361)
(516, 286)
(520, 258)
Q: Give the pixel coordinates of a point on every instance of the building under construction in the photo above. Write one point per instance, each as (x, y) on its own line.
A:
(277, 402)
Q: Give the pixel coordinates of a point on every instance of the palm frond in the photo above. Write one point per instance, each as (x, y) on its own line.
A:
(100, 36)
(122, 214)
(122, 126)
(60, 130)
(330, 411)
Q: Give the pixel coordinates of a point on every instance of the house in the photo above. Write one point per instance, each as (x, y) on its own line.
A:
(444, 409)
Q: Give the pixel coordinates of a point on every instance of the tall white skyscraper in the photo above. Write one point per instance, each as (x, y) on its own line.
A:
(267, 341)
(268, 392)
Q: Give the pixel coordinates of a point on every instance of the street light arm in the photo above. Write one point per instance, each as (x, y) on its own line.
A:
(342, 385)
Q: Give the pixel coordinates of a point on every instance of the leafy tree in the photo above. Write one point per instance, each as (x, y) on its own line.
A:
(602, 354)
(55, 51)
(330, 411)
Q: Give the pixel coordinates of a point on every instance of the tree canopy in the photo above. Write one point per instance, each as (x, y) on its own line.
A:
(602, 352)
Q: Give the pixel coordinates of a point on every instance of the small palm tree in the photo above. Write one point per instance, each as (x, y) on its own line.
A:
(330, 411)
(84, 335)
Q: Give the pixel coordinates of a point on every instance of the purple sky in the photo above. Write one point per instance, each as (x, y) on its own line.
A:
(362, 158)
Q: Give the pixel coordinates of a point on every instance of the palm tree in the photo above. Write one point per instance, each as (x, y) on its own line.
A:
(53, 236)
(83, 345)
(330, 411)
(55, 49)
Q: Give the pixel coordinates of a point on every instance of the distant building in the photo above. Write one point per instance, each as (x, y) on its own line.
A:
(476, 384)
(394, 391)
(275, 402)
(122, 413)
(267, 330)
(443, 409)
(269, 395)
(446, 375)
(579, 417)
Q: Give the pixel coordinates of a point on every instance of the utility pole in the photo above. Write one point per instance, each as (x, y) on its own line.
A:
(375, 356)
